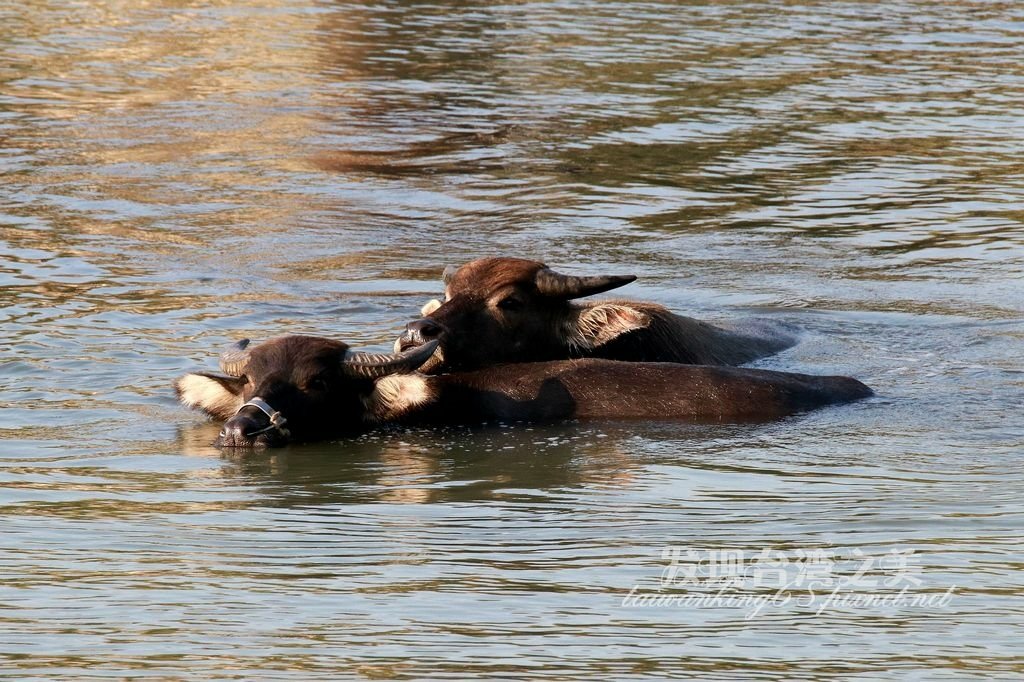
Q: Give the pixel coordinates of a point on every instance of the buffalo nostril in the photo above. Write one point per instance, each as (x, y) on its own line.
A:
(239, 430)
(423, 330)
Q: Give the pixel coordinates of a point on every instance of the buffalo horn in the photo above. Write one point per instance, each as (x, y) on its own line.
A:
(556, 285)
(377, 365)
(448, 273)
(235, 358)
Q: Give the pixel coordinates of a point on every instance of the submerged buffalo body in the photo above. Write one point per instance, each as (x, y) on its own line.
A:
(592, 388)
(499, 310)
(304, 388)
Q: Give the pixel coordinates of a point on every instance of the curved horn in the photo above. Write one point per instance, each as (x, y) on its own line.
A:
(235, 358)
(377, 365)
(557, 285)
(448, 273)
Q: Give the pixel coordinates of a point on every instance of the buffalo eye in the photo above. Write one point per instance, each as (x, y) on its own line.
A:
(318, 384)
(510, 303)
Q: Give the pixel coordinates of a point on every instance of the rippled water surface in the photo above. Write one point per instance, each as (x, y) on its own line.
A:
(176, 175)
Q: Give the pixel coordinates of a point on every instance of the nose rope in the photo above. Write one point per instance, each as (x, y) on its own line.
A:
(277, 420)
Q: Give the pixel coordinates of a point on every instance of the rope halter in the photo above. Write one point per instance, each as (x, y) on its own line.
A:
(277, 420)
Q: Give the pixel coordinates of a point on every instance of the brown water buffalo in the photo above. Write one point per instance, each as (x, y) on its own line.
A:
(305, 388)
(499, 310)
(316, 385)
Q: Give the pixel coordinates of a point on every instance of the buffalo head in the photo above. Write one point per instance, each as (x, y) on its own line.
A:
(499, 310)
(292, 388)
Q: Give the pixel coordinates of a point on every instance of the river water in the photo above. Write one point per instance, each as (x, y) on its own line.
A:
(176, 175)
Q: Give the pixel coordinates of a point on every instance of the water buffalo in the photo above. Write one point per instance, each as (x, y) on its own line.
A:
(317, 385)
(305, 388)
(499, 310)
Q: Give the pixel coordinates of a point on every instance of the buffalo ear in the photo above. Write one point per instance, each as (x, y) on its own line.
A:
(429, 307)
(396, 395)
(596, 325)
(217, 395)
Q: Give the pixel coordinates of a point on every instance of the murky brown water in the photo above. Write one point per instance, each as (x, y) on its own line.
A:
(177, 174)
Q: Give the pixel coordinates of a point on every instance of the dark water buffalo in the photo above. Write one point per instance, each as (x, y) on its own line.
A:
(305, 388)
(317, 388)
(499, 310)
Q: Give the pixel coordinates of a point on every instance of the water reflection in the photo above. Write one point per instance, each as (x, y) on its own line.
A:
(176, 175)
(426, 466)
